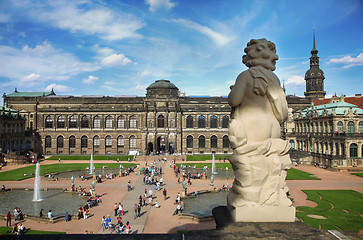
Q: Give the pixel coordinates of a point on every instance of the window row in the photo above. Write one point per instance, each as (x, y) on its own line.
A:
(328, 127)
(201, 121)
(85, 122)
(96, 141)
(213, 141)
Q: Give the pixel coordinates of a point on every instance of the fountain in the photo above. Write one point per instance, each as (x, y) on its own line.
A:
(91, 165)
(213, 166)
(36, 195)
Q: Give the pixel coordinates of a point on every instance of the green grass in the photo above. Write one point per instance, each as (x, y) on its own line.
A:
(206, 157)
(358, 174)
(18, 174)
(3, 231)
(295, 174)
(88, 157)
(292, 174)
(341, 208)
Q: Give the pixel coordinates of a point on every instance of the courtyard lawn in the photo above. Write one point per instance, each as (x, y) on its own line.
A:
(88, 157)
(206, 157)
(27, 172)
(341, 208)
(4, 231)
(209, 165)
(358, 174)
(295, 174)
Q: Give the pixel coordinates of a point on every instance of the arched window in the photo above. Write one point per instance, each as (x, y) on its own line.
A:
(292, 144)
(361, 127)
(96, 141)
(190, 122)
(108, 141)
(161, 121)
(61, 122)
(121, 122)
(28, 144)
(201, 122)
(321, 128)
(84, 122)
(132, 140)
(109, 121)
(201, 141)
(96, 122)
(60, 142)
(343, 149)
(340, 127)
(225, 121)
(72, 142)
(189, 141)
(120, 141)
(350, 127)
(73, 122)
(213, 122)
(225, 141)
(48, 142)
(353, 150)
(84, 142)
(48, 122)
(326, 127)
(133, 122)
(213, 141)
(317, 127)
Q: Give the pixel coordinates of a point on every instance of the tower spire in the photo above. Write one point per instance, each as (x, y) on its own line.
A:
(314, 37)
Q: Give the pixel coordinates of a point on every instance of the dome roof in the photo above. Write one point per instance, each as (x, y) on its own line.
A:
(314, 72)
(162, 84)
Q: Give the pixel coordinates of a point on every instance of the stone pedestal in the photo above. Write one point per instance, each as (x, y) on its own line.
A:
(262, 214)
(184, 193)
(94, 176)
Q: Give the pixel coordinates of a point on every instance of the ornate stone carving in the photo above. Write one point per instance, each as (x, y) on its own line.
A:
(259, 157)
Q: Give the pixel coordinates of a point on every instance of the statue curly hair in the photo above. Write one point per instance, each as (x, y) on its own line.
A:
(260, 52)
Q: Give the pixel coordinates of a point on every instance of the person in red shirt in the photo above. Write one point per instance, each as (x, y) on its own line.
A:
(8, 219)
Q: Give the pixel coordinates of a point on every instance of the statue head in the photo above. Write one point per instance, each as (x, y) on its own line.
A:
(260, 52)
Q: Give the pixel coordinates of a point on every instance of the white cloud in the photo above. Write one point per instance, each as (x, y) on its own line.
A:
(30, 80)
(218, 38)
(90, 80)
(44, 60)
(348, 61)
(115, 59)
(58, 88)
(88, 18)
(154, 5)
(4, 18)
(295, 80)
(145, 73)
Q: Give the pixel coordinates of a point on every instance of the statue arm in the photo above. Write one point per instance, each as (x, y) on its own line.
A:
(237, 93)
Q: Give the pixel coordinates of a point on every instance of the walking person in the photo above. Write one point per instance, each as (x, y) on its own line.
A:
(164, 193)
(115, 208)
(103, 223)
(135, 211)
(120, 209)
(138, 210)
(128, 228)
(8, 219)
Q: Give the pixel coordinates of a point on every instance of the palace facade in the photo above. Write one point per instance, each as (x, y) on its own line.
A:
(162, 122)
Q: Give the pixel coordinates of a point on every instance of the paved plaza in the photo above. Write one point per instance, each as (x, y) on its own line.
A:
(160, 220)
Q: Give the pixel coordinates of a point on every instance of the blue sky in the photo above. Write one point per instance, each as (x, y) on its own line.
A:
(120, 47)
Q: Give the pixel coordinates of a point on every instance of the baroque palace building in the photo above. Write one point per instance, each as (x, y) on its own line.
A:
(162, 122)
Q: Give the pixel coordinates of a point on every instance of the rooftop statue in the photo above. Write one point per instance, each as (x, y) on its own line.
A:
(259, 160)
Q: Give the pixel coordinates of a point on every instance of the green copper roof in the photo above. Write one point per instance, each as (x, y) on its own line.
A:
(29, 94)
(162, 84)
(8, 112)
(340, 108)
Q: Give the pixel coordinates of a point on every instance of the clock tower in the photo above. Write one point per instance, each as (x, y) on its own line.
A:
(314, 77)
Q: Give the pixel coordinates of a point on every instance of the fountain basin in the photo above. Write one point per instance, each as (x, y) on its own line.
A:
(202, 205)
(56, 200)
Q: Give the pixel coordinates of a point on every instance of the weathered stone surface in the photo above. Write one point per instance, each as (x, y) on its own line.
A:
(259, 161)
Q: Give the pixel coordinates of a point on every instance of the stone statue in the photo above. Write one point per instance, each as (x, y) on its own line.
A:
(259, 158)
